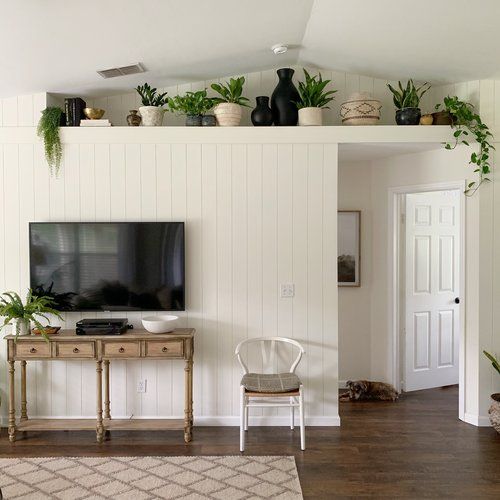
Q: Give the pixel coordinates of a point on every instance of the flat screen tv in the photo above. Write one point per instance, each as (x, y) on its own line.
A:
(109, 266)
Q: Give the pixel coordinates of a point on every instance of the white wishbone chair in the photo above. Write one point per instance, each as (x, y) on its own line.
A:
(285, 386)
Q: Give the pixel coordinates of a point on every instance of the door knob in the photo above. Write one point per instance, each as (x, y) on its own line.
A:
(457, 300)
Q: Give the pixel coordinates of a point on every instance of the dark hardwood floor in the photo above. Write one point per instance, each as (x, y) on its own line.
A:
(415, 448)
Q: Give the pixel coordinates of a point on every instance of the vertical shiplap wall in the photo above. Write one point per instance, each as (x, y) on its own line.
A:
(22, 111)
(256, 215)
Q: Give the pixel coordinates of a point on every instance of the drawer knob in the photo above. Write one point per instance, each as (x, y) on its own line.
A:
(32, 350)
(165, 349)
(76, 350)
(121, 349)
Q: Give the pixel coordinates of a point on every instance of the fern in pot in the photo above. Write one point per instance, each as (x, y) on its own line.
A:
(407, 102)
(494, 410)
(152, 109)
(313, 99)
(194, 105)
(20, 315)
(228, 106)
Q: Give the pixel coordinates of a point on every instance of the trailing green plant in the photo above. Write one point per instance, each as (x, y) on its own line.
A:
(48, 130)
(409, 96)
(12, 308)
(468, 123)
(191, 103)
(494, 362)
(312, 92)
(230, 92)
(150, 96)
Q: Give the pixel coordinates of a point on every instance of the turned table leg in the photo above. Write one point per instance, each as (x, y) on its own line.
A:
(188, 402)
(12, 404)
(107, 413)
(100, 426)
(24, 404)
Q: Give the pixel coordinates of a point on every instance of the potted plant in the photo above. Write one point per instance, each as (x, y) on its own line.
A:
(468, 123)
(193, 104)
(152, 105)
(407, 102)
(48, 131)
(228, 107)
(312, 99)
(21, 315)
(494, 410)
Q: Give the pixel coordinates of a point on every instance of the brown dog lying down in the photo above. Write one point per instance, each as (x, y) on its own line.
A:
(364, 389)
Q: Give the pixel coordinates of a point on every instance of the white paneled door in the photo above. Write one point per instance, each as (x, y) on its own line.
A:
(432, 289)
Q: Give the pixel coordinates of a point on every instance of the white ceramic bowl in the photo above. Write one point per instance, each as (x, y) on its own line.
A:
(163, 323)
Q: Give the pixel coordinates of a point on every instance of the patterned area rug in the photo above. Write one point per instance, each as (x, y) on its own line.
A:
(144, 478)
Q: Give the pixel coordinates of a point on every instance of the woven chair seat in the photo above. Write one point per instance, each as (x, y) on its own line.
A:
(265, 382)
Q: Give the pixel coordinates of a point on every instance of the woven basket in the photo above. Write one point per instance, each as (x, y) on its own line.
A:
(495, 411)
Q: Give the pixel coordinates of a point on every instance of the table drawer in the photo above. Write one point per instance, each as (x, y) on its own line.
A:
(121, 349)
(164, 348)
(75, 349)
(33, 350)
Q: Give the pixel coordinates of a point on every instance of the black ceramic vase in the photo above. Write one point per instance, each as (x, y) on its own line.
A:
(262, 115)
(408, 116)
(283, 100)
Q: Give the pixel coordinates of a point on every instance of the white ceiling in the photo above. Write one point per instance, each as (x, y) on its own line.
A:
(57, 45)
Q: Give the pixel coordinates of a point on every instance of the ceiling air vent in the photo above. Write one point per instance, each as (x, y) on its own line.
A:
(122, 71)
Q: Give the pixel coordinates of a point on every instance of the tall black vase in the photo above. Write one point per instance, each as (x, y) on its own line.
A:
(283, 100)
(262, 115)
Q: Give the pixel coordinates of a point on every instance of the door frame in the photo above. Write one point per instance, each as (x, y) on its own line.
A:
(396, 194)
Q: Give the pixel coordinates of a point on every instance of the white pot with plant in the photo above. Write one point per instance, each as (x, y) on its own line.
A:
(194, 105)
(494, 410)
(313, 99)
(20, 315)
(152, 110)
(228, 107)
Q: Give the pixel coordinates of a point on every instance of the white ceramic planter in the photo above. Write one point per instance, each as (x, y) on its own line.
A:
(228, 114)
(152, 116)
(21, 326)
(360, 109)
(310, 117)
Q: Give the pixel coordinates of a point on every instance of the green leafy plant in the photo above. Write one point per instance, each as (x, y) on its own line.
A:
(467, 122)
(494, 362)
(409, 96)
(312, 92)
(35, 307)
(150, 96)
(192, 103)
(230, 92)
(48, 130)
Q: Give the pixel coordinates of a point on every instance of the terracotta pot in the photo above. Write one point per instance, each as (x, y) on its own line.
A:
(442, 118)
(310, 116)
(426, 119)
(152, 116)
(494, 411)
(228, 114)
(360, 109)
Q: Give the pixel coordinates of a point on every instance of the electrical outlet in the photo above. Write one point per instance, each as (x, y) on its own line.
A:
(141, 385)
(287, 290)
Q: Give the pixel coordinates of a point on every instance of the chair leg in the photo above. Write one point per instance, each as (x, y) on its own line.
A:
(246, 416)
(242, 418)
(302, 426)
(292, 414)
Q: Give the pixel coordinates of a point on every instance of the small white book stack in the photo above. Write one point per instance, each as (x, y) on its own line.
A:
(95, 123)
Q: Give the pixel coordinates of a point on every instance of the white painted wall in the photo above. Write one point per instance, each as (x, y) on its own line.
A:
(22, 111)
(256, 215)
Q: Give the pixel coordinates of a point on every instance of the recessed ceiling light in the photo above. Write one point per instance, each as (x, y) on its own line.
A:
(131, 69)
(279, 48)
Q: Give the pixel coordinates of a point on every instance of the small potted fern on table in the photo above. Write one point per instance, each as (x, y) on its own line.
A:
(313, 99)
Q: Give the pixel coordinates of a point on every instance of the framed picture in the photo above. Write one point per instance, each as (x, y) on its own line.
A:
(349, 247)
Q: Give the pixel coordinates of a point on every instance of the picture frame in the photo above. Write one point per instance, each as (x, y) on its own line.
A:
(349, 248)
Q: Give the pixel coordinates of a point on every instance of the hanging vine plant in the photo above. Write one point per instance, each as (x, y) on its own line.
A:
(467, 122)
(48, 130)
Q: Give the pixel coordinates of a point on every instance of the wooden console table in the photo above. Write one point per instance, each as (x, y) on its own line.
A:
(135, 344)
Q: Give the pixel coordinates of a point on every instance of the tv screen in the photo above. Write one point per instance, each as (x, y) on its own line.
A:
(109, 266)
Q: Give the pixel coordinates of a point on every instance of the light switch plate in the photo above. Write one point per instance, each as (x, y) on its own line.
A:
(287, 290)
(141, 385)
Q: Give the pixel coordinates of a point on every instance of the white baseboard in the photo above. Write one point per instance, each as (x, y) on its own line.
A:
(223, 421)
(477, 420)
